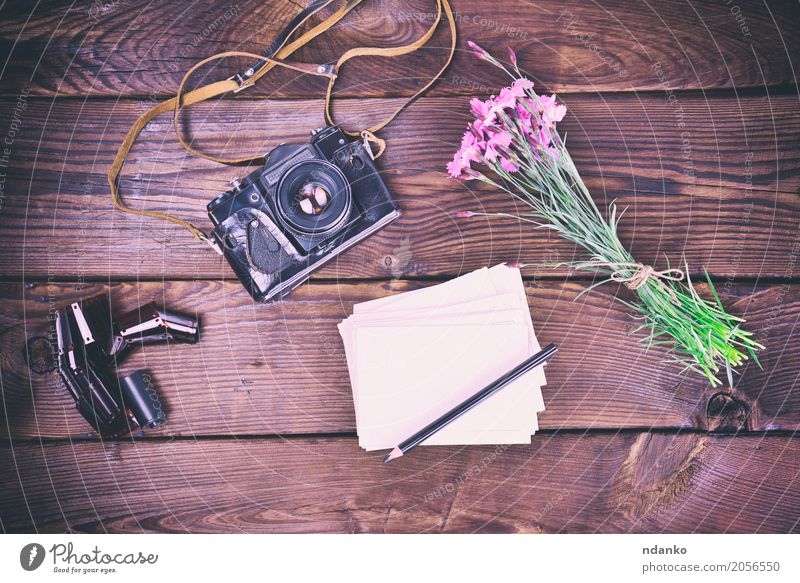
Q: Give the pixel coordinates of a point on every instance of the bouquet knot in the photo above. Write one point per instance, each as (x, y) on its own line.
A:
(635, 275)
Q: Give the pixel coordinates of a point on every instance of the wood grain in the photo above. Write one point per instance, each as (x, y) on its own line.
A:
(260, 432)
(637, 482)
(280, 370)
(721, 192)
(140, 48)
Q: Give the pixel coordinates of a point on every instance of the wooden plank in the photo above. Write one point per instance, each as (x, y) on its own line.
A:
(639, 482)
(264, 370)
(137, 48)
(722, 193)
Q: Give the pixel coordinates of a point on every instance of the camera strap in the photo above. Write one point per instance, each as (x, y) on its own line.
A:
(260, 66)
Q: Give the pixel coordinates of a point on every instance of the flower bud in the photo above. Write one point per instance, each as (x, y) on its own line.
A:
(470, 174)
(463, 214)
(478, 51)
(512, 56)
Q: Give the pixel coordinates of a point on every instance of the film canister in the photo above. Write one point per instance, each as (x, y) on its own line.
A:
(140, 396)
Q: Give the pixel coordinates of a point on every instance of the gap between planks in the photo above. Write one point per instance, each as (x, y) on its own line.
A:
(37, 278)
(792, 434)
(779, 90)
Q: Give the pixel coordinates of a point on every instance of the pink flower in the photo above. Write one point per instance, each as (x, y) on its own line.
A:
(520, 86)
(525, 118)
(471, 144)
(470, 151)
(544, 137)
(486, 111)
(552, 111)
(463, 214)
(508, 165)
(500, 139)
(479, 128)
(480, 109)
(501, 122)
(456, 167)
(505, 100)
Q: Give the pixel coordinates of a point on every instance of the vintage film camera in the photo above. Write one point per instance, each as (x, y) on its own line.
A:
(90, 343)
(309, 203)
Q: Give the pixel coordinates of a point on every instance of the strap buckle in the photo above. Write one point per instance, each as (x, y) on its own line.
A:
(368, 138)
(211, 243)
(243, 78)
(367, 146)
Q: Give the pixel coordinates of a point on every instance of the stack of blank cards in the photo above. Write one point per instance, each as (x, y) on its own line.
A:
(416, 355)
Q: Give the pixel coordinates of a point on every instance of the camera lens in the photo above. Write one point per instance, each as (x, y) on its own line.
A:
(314, 197)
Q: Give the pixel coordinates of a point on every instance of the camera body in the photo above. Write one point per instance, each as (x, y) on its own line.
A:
(309, 203)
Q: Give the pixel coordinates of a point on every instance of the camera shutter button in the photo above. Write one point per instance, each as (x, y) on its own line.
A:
(230, 241)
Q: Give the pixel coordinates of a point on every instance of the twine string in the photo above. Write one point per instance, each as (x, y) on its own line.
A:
(635, 275)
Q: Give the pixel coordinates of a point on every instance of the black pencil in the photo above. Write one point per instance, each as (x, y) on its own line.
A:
(536, 360)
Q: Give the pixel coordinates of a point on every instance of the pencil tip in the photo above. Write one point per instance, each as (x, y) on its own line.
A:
(395, 453)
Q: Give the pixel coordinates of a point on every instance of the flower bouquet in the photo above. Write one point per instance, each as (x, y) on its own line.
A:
(514, 136)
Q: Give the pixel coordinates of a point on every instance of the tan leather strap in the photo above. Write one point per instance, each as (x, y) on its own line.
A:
(394, 52)
(196, 96)
(282, 53)
(215, 89)
(181, 99)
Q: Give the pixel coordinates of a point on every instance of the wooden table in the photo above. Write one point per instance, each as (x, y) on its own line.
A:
(686, 113)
